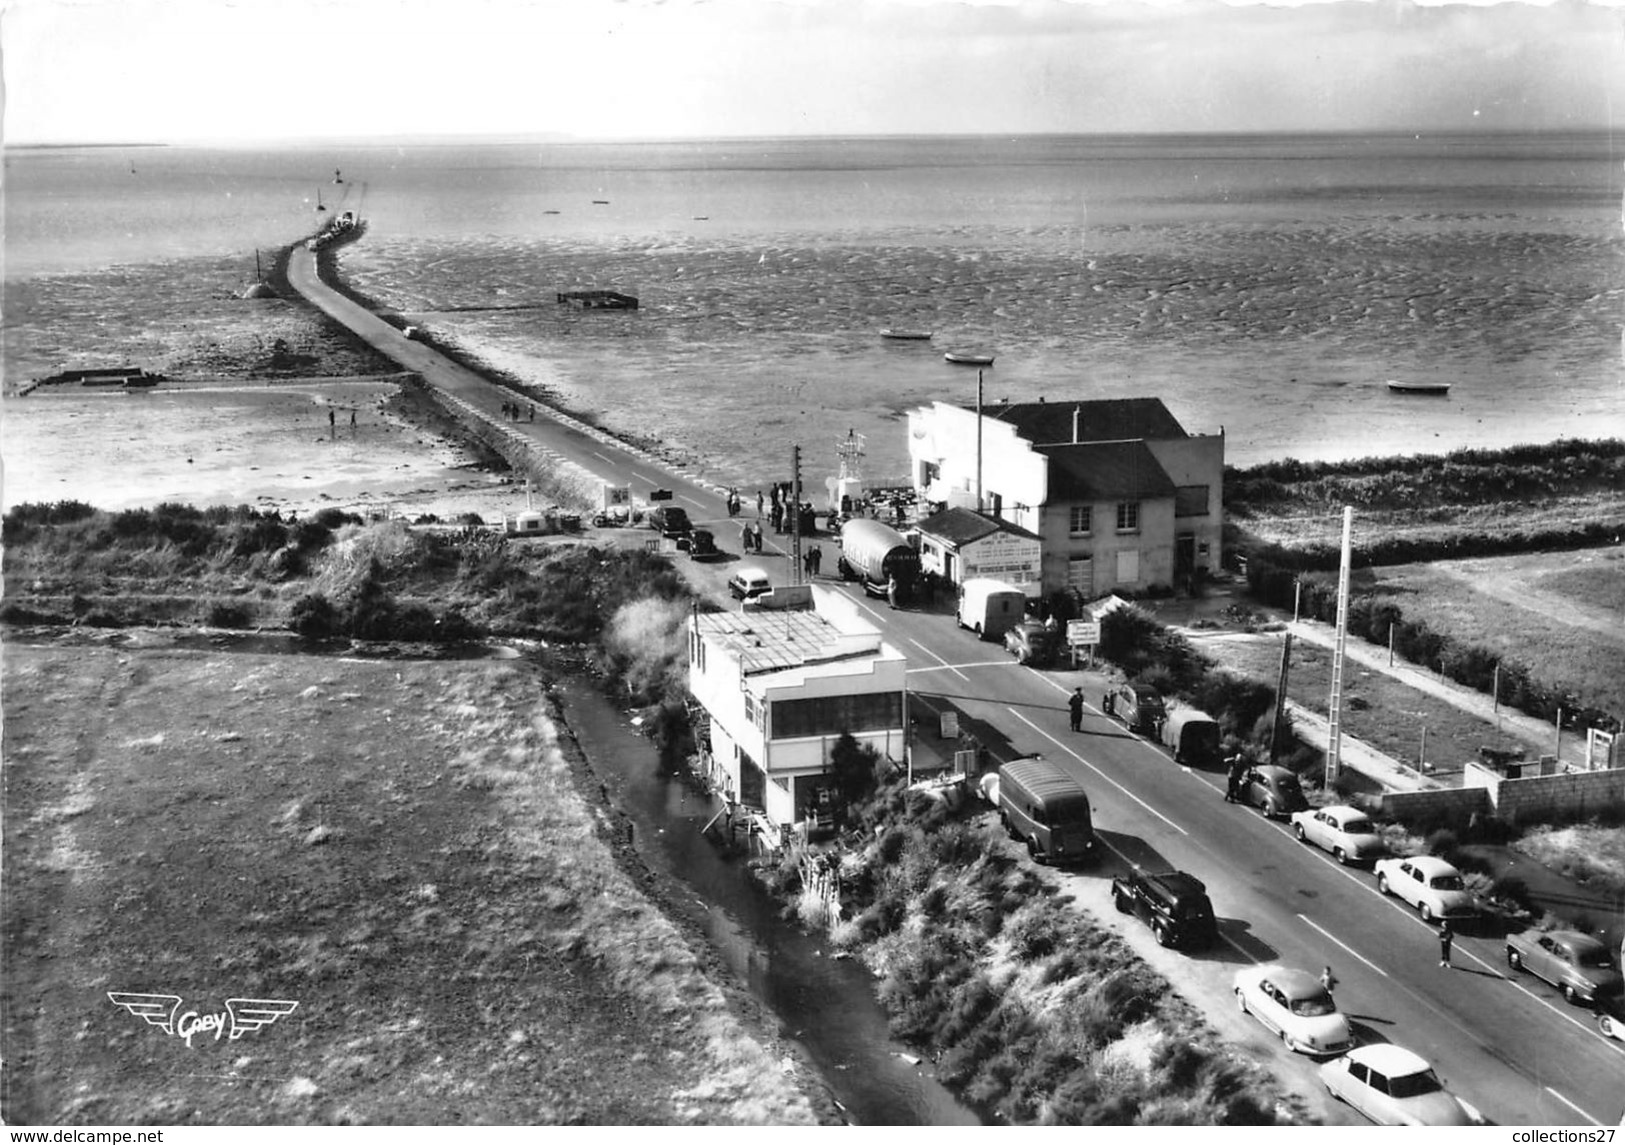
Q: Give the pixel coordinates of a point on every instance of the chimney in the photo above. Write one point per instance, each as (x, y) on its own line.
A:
(1077, 418)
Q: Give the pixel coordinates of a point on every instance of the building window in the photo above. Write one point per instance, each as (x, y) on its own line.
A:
(1128, 516)
(753, 711)
(832, 715)
(1190, 501)
(1082, 522)
(1128, 566)
(1080, 576)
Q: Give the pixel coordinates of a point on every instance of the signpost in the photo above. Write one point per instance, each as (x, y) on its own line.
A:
(1082, 634)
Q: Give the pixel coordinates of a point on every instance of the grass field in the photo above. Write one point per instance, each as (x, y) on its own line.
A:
(397, 846)
(1377, 709)
(1560, 614)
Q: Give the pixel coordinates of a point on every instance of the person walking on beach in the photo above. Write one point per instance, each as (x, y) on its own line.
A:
(352, 421)
(332, 421)
(1074, 707)
(1446, 937)
(532, 411)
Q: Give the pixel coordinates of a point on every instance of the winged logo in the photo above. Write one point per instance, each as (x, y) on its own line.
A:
(153, 1009)
(252, 1013)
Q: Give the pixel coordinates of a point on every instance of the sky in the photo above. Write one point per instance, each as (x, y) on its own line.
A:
(246, 70)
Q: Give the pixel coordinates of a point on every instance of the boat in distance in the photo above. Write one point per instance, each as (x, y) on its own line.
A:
(968, 358)
(1399, 386)
(906, 335)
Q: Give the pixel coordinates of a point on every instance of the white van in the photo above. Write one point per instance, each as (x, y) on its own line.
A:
(749, 583)
(990, 607)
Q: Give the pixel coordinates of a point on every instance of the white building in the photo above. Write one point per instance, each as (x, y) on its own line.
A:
(1121, 497)
(780, 687)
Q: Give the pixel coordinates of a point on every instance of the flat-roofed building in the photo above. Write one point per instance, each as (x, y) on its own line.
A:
(1119, 494)
(780, 687)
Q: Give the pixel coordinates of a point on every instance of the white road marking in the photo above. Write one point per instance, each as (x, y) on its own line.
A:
(692, 502)
(1098, 772)
(1571, 1105)
(1344, 945)
(930, 653)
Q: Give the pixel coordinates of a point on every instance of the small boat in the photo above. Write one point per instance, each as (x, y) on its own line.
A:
(965, 358)
(549, 212)
(600, 202)
(906, 335)
(1403, 387)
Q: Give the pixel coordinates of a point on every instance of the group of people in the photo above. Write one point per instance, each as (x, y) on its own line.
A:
(811, 560)
(512, 410)
(750, 537)
(733, 502)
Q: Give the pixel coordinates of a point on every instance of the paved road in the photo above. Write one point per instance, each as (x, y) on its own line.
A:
(1510, 1046)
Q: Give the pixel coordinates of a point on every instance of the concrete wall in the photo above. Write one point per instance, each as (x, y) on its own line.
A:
(1574, 794)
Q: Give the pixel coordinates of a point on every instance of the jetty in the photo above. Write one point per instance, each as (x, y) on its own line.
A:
(599, 299)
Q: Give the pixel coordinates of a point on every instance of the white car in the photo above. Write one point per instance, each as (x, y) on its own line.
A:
(1428, 883)
(1392, 1086)
(1294, 1004)
(1347, 832)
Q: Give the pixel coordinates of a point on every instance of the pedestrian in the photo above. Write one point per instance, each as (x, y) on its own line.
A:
(806, 564)
(818, 559)
(1446, 937)
(1074, 706)
(532, 411)
(744, 538)
(758, 502)
(332, 418)
(1238, 767)
(756, 535)
(1328, 980)
(891, 591)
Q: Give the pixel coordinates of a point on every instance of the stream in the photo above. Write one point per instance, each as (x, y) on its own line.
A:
(827, 1006)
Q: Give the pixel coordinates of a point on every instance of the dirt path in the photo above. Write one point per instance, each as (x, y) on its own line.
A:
(1518, 584)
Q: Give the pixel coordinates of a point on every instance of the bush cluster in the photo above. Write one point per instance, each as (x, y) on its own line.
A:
(1023, 1001)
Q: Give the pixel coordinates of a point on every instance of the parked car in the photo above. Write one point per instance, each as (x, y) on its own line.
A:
(1393, 1086)
(1428, 883)
(1172, 903)
(1579, 965)
(670, 521)
(1273, 790)
(749, 583)
(1032, 642)
(701, 544)
(1295, 1005)
(1138, 706)
(1193, 736)
(1347, 832)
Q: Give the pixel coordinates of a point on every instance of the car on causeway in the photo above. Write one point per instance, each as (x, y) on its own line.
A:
(1428, 883)
(1393, 1086)
(1275, 791)
(1347, 832)
(1579, 965)
(1296, 1006)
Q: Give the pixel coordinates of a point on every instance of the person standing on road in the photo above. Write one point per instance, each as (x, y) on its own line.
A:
(1238, 769)
(1446, 937)
(1074, 706)
(1328, 980)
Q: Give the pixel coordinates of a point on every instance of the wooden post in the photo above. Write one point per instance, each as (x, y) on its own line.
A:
(1495, 695)
(1557, 742)
(1422, 756)
(1390, 644)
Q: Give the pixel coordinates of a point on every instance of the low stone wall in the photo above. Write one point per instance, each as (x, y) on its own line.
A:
(1559, 795)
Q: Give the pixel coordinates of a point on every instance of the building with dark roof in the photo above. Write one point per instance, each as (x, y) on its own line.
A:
(1119, 494)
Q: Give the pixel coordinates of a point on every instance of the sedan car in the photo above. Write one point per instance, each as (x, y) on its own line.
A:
(1393, 1086)
(1346, 832)
(1295, 1005)
(1032, 642)
(1428, 883)
(1579, 965)
(1273, 790)
(1611, 1016)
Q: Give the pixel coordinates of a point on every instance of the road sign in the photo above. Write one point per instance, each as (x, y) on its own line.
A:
(1083, 632)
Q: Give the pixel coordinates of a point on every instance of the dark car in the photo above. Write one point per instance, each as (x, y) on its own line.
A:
(701, 544)
(1274, 791)
(1032, 642)
(670, 521)
(1138, 706)
(1172, 903)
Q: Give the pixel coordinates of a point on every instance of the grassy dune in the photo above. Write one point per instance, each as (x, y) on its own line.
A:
(398, 846)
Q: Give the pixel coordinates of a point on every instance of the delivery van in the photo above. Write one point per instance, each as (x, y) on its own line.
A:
(1193, 737)
(990, 607)
(1042, 806)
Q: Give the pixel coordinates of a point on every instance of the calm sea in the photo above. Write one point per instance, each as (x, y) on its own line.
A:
(1268, 285)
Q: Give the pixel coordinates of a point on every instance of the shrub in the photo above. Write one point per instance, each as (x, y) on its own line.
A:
(222, 614)
(314, 616)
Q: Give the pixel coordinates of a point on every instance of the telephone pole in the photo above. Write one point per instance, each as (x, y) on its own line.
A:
(795, 514)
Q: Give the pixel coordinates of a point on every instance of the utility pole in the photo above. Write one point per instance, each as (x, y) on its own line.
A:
(795, 514)
(1280, 700)
(1334, 752)
(978, 441)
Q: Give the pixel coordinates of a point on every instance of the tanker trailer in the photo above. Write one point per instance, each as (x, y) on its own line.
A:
(875, 554)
